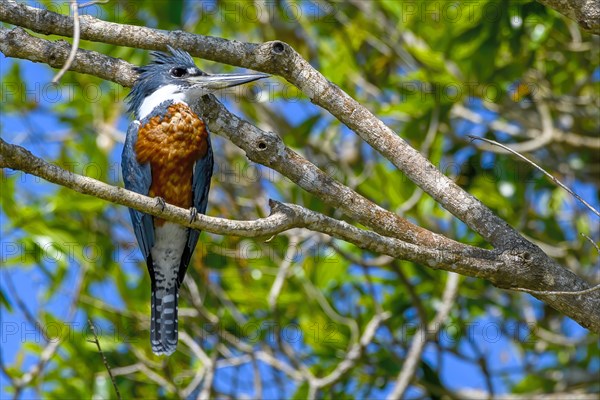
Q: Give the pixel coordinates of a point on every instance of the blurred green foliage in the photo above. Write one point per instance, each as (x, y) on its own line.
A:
(435, 72)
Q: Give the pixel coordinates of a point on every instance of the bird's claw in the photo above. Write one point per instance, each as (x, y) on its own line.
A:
(193, 214)
(161, 203)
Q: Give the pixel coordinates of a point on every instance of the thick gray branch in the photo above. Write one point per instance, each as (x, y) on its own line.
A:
(262, 147)
(280, 59)
(522, 263)
(585, 12)
(283, 217)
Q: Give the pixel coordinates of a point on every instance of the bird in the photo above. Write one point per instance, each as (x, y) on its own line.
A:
(167, 155)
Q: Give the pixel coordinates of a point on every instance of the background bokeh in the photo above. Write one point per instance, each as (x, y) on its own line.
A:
(262, 312)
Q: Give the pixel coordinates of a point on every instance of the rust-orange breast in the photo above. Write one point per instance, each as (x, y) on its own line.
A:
(171, 144)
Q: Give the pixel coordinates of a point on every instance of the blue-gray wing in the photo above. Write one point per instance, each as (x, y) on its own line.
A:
(138, 178)
(203, 170)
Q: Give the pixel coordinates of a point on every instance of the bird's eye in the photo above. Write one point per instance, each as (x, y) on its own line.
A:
(178, 72)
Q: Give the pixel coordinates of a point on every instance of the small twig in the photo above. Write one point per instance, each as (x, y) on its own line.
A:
(195, 348)
(559, 183)
(380, 261)
(546, 135)
(591, 241)
(269, 239)
(559, 292)
(317, 295)
(28, 315)
(258, 388)
(229, 305)
(283, 272)
(51, 347)
(432, 130)
(545, 334)
(280, 365)
(481, 361)
(412, 293)
(75, 46)
(201, 371)
(112, 378)
(157, 378)
(209, 378)
(91, 3)
(418, 343)
(127, 370)
(355, 351)
(10, 378)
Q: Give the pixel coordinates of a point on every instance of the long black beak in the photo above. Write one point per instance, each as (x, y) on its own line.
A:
(223, 81)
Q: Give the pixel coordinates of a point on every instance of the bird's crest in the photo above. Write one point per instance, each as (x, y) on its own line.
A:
(152, 76)
(177, 57)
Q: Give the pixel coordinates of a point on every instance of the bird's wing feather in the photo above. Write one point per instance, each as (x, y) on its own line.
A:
(138, 178)
(203, 170)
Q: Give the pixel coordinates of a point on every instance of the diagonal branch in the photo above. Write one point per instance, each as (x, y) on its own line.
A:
(283, 217)
(550, 176)
(355, 351)
(50, 349)
(65, 68)
(519, 264)
(104, 361)
(281, 59)
(421, 338)
(585, 12)
(262, 147)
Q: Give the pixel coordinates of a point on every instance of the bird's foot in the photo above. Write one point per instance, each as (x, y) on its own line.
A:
(161, 203)
(193, 214)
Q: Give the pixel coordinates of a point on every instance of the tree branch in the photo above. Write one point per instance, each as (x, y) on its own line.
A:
(519, 263)
(104, 361)
(550, 176)
(262, 147)
(283, 217)
(279, 58)
(585, 12)
(355, 351)
(67, 65)
(409, 368)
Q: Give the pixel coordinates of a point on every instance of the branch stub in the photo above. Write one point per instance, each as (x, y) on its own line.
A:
(278, 47)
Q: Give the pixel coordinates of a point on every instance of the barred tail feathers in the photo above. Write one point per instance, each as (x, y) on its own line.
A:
(165, 267)
(163, 323)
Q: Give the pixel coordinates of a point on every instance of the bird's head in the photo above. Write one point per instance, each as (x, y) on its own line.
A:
(175, 77)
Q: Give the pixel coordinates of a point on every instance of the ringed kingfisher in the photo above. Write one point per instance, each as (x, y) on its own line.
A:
(167, 155)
